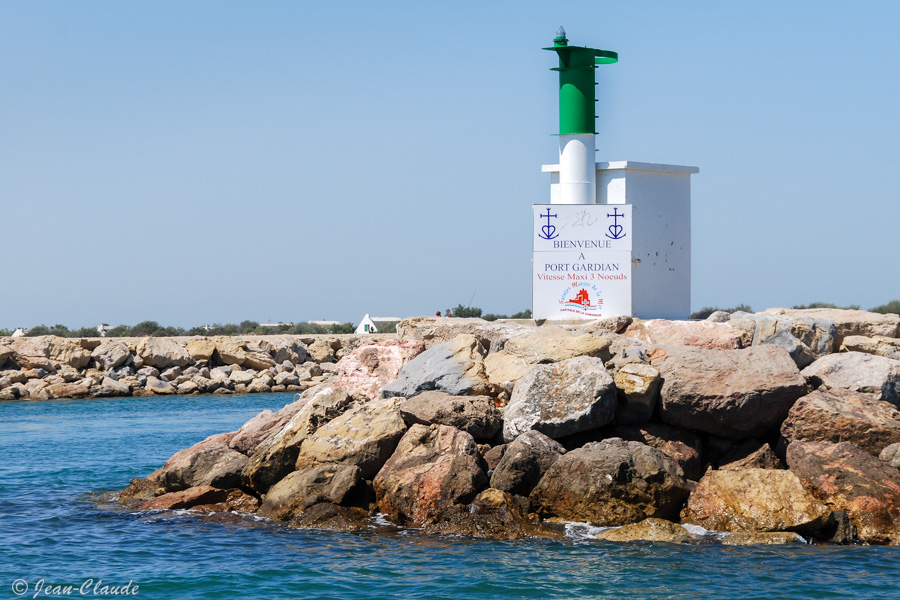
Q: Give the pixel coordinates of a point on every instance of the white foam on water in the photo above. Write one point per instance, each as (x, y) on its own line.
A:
(582, 532)
(702, 532)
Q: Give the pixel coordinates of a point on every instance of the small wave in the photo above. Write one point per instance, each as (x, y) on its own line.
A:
(582, 532)
(705, 534)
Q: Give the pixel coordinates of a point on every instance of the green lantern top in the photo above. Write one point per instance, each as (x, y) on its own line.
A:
(576, 83)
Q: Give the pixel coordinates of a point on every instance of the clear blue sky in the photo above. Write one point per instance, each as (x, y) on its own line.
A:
(200, 162)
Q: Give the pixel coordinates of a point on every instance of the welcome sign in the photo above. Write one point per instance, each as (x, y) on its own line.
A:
(581, 266)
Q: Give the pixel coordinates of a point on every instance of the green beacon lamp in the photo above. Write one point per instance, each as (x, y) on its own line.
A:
(577, 100)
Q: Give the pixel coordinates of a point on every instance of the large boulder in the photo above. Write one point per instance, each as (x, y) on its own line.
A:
(201, 350)
(311, 484)
(730, 393)
(850, 479)
(682, 446)
(750, 454)
(638, 390)
(367, 369)
(560, 399)
(276, 456)
(858, 372)
(891, 455)
(879, 345)
(162, 352)
(755, 500)
(110, 355)
(701, 334)
(805, 338)
(286, 348)
(455, 367)
(548, 344)
(6, 353)
(609, 483)
(216, 465)
(438, 330)
(847, 322)
(189, 498)
(524, 462)
(476, 415)
(257, 359)
(365, 436)
(843, 416)
(432, 469)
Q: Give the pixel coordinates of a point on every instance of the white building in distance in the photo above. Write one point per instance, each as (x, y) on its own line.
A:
(374, 324)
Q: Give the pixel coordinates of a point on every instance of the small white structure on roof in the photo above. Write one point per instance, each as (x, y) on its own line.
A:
(375, 324)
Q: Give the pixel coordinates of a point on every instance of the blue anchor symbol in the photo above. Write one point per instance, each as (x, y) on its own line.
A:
(548, 231)
(615, 229)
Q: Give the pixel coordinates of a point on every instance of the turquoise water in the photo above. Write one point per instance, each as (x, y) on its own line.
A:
(58, 458)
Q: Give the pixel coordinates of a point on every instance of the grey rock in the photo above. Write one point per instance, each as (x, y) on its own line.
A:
(891, 455)
(858, 372)
(309, 485)
(455, 367)
(800, 352)
(110, 355)
(638, 391)
(719, 316)
(216, 465)
(560, 399)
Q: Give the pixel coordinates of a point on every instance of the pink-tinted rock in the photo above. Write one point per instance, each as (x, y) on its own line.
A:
(432, 469)
(701, 334)
(850, 479)
(369, 368)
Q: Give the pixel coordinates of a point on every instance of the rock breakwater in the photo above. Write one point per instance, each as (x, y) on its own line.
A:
(763, 426)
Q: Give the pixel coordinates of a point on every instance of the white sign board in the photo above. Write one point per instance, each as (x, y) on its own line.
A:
(581, 261)
(582, 227)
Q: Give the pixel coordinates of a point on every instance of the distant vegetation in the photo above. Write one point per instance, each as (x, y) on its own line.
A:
(154, 329)
(473, 311)
(891, 307)
(825, 305)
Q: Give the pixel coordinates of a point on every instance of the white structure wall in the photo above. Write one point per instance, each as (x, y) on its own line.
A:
(660, 196)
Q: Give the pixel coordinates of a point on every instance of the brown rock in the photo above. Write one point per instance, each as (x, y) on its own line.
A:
(492, 514)
(750, 454)
(237, 501)
(432, 469)
(683, 447)
(755, 500)
(762, 538)
(253, 432)
(648, 530)
(850, 479)
(437, 330)
(68, 390)
(525, 460)
(610, 483)
(732, 393)
(476, 415)
(321, 351)
(365, 435)
(110, 355)
(367, 369)
(311, 484)
(878, 345)
(326, 515)
(186, 498)
(140, 490)
(843, 416)
(257, 359)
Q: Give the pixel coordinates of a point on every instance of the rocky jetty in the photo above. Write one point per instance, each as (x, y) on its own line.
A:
(774, 427)
(47, 367)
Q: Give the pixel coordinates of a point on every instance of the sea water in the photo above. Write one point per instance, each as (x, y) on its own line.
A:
(61, 536)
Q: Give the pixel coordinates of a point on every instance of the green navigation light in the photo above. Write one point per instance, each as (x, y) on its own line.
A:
(576, 83)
